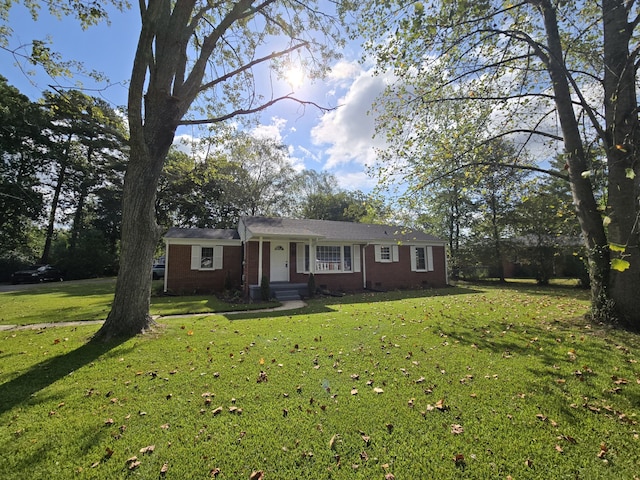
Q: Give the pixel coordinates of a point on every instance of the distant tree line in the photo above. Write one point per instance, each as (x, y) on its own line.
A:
(61, 178)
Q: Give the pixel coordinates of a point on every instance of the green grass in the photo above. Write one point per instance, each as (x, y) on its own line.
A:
(509, 380)
(91, 300)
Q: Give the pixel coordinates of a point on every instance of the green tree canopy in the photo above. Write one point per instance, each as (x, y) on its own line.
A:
(537, 72)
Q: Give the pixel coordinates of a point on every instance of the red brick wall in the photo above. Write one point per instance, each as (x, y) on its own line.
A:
(181, 279)
(392, 275)
(251, 261)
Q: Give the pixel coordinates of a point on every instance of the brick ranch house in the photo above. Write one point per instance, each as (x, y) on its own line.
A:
(343, 256)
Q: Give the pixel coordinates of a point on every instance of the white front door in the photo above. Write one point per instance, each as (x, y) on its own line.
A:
(279, 262)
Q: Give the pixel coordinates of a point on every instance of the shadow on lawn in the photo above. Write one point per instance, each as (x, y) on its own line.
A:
(323, 304)
(46, 373)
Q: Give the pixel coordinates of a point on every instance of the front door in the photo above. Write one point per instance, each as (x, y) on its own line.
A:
(279, 262)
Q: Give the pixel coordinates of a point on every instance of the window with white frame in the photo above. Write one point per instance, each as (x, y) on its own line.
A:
(206, 257)
(422, 258)
(329, 258)
(386, 253)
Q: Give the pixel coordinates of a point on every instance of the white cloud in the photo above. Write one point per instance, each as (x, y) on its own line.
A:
(348, 130)
(272, 130)
(355, 180)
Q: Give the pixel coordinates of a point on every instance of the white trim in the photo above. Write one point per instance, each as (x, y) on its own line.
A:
(260, 261)
(202, 241)
(218, 257)
(196, 253)
(429, 258)
(166, 266)
(355, 258)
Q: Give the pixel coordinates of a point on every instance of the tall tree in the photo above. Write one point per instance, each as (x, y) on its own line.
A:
(84, 134)
(530, 63)
(22, 144)
(191, 50)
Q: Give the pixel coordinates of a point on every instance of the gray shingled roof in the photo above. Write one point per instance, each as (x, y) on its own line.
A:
(333, 231)
(203, 233)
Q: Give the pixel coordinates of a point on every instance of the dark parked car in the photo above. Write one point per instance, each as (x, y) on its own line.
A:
(157, 271)
(36, 274)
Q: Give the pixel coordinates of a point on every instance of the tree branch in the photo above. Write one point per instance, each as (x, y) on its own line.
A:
(249, 111)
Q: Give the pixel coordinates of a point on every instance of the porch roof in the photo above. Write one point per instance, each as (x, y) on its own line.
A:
(330, 230)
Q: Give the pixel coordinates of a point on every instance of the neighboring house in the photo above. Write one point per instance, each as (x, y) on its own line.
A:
(343, 257)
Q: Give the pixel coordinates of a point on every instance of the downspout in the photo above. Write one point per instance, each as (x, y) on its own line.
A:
(364, 266)
(260, 261)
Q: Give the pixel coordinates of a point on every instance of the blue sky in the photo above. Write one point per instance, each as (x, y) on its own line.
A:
(339, 141)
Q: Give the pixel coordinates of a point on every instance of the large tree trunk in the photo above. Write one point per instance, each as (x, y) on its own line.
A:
(129, 313)
(622, 144)
(584, 201)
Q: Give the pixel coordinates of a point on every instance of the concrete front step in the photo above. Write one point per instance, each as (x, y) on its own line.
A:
(286, 295)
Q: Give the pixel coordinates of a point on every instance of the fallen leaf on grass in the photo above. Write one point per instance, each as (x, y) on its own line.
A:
(214, 472)
(354, 391)
(603, 450)
(332, 442)
(559, 449)
(378, 390)
(133, 463)
(217, 411)
(147, 450)
(164, 469)
(259, 475)
(456, 429)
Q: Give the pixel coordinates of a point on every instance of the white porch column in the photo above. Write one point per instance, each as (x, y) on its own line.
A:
(260, 261)
(312, 257)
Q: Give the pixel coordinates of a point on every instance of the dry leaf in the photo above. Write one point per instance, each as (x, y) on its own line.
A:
(332, 442)
(603, 450)
(456, 429)
(458, 459)
(259, 475)
(164, 469)
(559, 449)
(214, 472)
(147, 450)
(354, 391)
(378, 390)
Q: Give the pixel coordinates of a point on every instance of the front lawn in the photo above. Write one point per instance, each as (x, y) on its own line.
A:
(91, 300)
(477, 382)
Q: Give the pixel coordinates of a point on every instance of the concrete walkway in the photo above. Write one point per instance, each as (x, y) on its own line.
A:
(287, 305)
